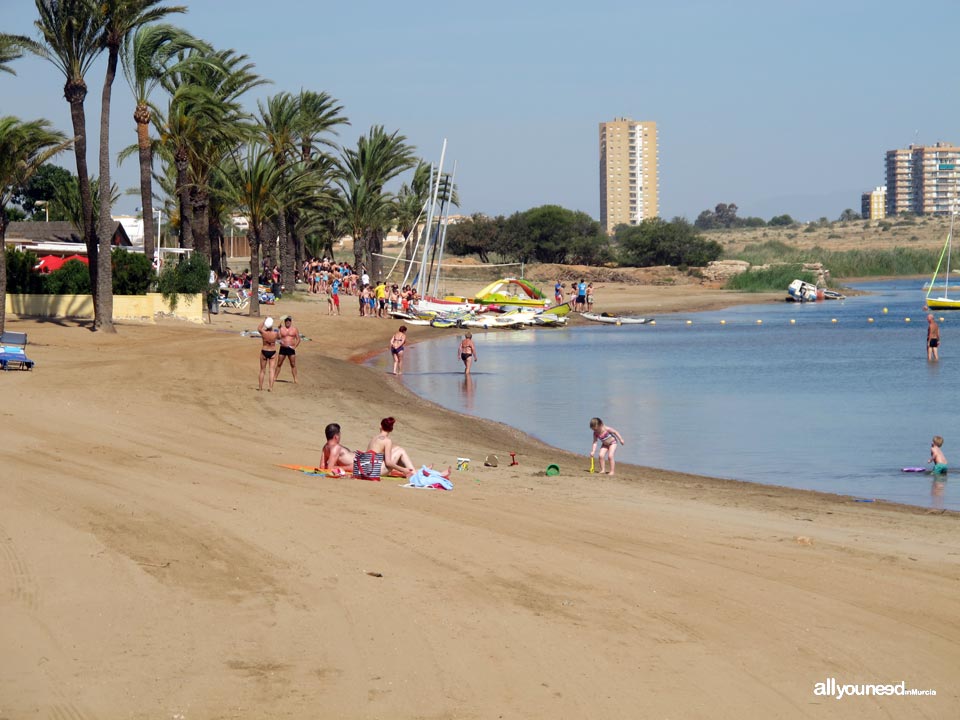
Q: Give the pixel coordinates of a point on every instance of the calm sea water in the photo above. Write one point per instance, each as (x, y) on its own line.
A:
(832, 406)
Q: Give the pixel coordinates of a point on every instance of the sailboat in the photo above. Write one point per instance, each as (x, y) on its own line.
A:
(943, 302)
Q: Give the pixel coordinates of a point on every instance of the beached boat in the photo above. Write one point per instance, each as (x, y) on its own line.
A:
(800, 291)
(938, 296)
(615, 319)
(506, 293)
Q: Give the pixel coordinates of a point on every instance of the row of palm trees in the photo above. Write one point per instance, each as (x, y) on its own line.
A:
(279, 167)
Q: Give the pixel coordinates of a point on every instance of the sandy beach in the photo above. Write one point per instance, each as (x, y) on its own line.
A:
(156, 562)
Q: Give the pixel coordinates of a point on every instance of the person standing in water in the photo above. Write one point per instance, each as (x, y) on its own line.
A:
(467, 352)
(933, 339)
(397, 343)
(937, 457)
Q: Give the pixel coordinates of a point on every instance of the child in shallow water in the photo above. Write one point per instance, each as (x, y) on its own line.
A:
(608, 438)
(937, 457)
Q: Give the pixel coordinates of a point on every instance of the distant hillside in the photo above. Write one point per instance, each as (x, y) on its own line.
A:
(925, 233)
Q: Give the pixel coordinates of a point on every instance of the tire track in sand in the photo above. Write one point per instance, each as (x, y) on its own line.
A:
(23, 587)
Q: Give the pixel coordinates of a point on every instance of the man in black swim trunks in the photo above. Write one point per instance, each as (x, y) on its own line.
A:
(268, 351)
(289, 341)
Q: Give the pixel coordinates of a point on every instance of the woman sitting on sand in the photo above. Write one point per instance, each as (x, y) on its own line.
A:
(384, 453)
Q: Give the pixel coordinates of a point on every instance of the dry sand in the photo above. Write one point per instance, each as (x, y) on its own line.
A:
(156, 563)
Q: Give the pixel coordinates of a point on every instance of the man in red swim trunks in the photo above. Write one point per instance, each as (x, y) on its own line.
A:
(268, 351)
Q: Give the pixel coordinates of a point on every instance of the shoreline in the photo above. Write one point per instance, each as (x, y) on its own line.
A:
(161, 563)
(427, 334)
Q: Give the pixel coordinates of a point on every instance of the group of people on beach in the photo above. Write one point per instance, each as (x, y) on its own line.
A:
(580, 295)
(381, 457)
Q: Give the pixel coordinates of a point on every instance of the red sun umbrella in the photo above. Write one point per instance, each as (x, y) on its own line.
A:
(81, 258)
(49, 263)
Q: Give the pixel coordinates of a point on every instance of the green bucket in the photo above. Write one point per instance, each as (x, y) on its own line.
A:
(553, 469)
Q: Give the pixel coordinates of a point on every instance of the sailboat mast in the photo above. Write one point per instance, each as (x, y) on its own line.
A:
(433, 203)
(946, 281)
(445, 219)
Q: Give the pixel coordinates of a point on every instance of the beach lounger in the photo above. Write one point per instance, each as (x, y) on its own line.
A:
(13, 352)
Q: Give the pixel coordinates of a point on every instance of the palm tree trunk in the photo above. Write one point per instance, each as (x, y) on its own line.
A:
(359, 246)
(76, 93)
(253, 237)
(374, 250)
(200, 202)
(3, 267)
(216, 244)
(142, 117)
(183, 196)
(286, 253)
(103, 313)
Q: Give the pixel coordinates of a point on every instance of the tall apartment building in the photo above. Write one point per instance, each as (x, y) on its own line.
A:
(923, 179)
(629, 181)
(873, 205)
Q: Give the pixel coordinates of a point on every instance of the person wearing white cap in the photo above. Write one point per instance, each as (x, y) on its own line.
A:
(268, 352)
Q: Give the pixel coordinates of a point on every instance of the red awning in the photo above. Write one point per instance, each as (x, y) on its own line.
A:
(49, 263)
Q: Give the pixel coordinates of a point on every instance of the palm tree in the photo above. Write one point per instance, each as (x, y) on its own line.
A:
(319, 114)
(121, 18)
(259, 187)
(66, 201)
(204, 124)
(278, 128)
(411, 205)
(367, 208)
(146, 56)
(24, 147)
(13, 47)
(71, 32)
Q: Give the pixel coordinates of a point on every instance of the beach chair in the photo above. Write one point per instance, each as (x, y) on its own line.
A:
(13, 352)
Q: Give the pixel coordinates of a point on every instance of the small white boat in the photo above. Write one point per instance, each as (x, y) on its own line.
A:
(801, 291)
(616, 319)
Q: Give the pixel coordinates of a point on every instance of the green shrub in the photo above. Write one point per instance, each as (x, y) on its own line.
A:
(71, 279)
(845, 263)
(191, 275)
(132, 273)
(20, 275)
(770, 279)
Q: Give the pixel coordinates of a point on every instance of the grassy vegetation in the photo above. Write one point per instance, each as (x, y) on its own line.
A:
(775, 278)
(844, 263)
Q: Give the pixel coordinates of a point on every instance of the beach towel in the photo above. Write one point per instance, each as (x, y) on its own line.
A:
(427, 478)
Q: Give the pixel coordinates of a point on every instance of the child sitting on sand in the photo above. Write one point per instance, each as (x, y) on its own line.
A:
(937, 457)
(608, 438)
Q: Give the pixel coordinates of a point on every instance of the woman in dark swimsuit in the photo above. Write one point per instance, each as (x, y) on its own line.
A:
(467, 352)
(268, 351)
(397, 343)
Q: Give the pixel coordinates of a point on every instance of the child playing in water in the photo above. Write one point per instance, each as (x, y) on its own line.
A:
(608, 438)
(937, 457)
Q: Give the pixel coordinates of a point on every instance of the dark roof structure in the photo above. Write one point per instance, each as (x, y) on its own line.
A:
(61, 232)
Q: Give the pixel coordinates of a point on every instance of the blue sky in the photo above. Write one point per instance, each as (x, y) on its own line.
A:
(779, 107)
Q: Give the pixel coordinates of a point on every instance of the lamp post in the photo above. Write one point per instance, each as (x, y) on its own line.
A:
(46, 208)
